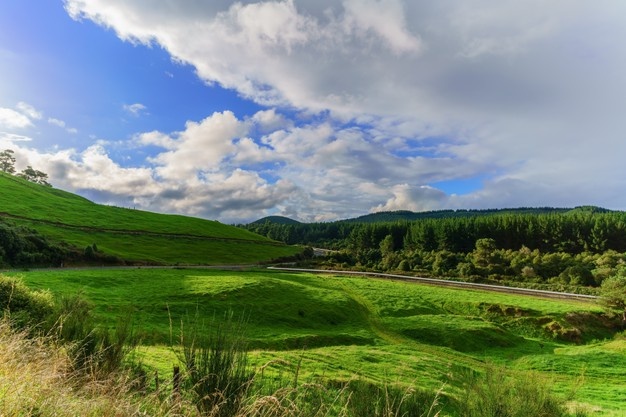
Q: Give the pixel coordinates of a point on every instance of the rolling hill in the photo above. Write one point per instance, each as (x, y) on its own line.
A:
(131, 236)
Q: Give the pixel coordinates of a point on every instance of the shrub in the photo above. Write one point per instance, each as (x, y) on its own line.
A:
(24, 306)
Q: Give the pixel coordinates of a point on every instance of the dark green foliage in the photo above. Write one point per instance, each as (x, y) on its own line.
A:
(613, 293)
(21, 246)
(24, 306)
(216, 363)
(404, 215)
(548, 230)
(560, 249)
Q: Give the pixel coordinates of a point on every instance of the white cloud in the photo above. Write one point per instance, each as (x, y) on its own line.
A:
(60, 123)
(384, 18)
(201, 147)
(56, 122)
(422, 198)
(29, 110)
(270, 120)
(12, 119)
(409, 93)
(8, 139)
(19, 118)
(136, 109)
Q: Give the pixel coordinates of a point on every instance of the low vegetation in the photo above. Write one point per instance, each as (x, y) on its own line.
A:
(310, 345)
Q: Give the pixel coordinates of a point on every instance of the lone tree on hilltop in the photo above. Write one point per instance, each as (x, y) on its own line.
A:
(35, 176)
(7, 161)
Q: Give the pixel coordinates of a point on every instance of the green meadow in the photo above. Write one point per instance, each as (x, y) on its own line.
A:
(131, 236)
(333, 329)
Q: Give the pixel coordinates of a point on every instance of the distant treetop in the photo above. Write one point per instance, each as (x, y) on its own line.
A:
(7, 164)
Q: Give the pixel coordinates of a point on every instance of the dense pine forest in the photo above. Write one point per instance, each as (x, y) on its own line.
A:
(555, 247)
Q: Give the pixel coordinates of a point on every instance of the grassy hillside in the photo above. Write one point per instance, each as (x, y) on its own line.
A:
(132, 235)
(338, 328)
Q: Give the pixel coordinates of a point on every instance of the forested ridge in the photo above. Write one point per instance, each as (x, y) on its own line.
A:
(577, 247)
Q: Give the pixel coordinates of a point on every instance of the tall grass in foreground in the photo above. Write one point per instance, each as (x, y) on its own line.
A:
(222, 384)
(498, 393)
(78, 369)
(37, 378)
(216, 361)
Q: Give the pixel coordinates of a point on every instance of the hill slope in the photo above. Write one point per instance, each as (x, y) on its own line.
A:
(132, 235)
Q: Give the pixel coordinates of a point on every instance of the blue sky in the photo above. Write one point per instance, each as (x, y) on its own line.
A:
(318, 110)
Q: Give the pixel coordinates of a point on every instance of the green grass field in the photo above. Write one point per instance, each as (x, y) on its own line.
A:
(337, 328)
(132, 235)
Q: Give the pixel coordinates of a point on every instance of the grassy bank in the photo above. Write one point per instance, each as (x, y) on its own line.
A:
(133, 236)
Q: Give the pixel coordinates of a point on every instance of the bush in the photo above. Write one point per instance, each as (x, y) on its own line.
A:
(24, 306)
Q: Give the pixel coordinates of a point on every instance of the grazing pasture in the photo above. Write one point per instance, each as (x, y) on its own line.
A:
(335, 329)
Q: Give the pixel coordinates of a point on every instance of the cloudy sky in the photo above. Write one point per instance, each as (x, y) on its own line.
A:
(318, 109)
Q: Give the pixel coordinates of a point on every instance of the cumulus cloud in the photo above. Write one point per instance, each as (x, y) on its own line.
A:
(214, 168)
(396, 96)
(421, 198)
(201, 147)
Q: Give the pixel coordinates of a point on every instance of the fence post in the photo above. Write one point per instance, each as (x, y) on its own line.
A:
(176, 381)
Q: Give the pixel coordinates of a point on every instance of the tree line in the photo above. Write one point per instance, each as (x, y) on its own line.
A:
(579, 247)
(585, 229)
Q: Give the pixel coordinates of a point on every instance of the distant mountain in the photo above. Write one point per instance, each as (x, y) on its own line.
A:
(276, 220)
